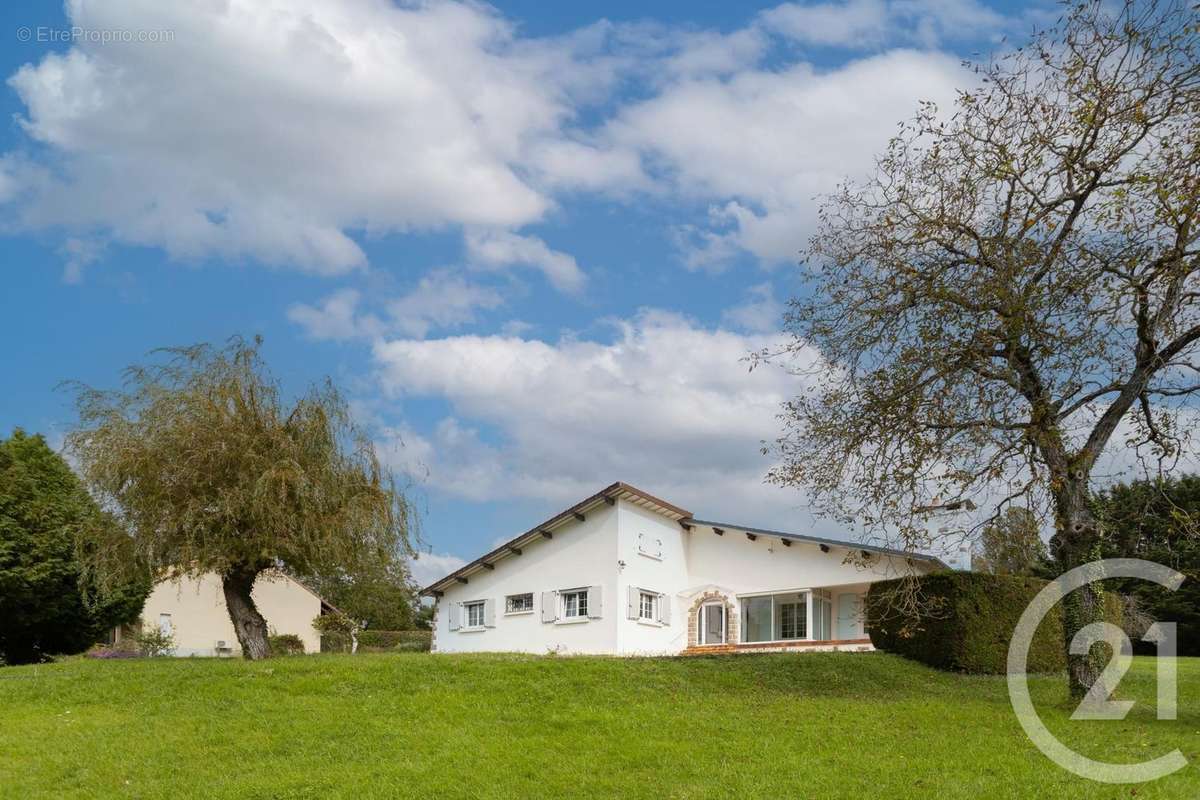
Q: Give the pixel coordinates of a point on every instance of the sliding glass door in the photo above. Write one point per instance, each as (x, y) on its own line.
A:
(756, 619)
(775, 617)
(822, 613)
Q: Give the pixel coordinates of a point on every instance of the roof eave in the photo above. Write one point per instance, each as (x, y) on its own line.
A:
(799, 537)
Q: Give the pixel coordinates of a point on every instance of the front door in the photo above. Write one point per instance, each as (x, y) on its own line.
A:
(712, 624)
(849, 621)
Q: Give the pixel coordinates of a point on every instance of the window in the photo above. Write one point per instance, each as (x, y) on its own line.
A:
(518, 603)
(574, 604)
(648, 606)
(473, 613)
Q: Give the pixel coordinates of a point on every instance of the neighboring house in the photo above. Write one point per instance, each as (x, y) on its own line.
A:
(624, 572)
(193, 611)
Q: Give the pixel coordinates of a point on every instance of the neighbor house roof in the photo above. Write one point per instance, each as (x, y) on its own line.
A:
(623, 491)
(326, 606)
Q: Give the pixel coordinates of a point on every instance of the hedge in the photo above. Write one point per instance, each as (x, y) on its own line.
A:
(373, 640)
(968, 622)
(285, 644)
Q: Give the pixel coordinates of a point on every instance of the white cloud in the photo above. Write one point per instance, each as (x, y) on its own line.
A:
(429, 567)
(279, 130)
(763, 144)
(269, 129)
(857, 23)
(869, 24)
(440, 300)
(760, 312)
(491, 249)
(336, 318)
(78, 255)
(666, 404)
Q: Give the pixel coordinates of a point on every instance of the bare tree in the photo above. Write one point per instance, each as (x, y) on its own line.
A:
(212, 472)
(1015, 286)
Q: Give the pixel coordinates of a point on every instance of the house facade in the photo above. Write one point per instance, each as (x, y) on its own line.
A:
(193, 611)
(625, 573)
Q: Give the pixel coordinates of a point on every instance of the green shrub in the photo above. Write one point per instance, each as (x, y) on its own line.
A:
(395, 640)
(967, 622)
(335, 642)
(285, 644)
(378, 641)
(154, 642)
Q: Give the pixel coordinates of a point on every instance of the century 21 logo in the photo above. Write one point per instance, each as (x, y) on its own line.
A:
(1096, 704)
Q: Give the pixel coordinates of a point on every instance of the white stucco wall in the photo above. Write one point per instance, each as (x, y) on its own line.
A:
(766, 565)
(199, 618)
(666, 573)
(581, 554)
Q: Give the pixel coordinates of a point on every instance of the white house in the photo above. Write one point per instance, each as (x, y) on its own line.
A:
(624, 572)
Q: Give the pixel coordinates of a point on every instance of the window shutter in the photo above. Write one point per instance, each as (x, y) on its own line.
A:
(631, 609)
(489, 613)
(664, 609)
(549, 606)
(455, 616)
(593, 596)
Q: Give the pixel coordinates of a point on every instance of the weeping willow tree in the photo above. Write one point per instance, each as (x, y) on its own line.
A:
(1012, 293)
(212, 471)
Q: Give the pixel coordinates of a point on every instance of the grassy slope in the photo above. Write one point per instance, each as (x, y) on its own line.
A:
(814, 725)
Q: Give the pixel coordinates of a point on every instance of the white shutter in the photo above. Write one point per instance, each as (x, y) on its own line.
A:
(489, 613)
(631, 608)
(549, 606)
(455, 616)
(593, 596)
(664, 609)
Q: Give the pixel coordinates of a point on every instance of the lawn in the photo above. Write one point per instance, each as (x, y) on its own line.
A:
(822, 725)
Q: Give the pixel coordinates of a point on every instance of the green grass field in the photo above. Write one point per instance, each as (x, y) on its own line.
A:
(405, 725)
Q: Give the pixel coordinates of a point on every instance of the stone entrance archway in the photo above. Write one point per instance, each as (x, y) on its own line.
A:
(731, 618)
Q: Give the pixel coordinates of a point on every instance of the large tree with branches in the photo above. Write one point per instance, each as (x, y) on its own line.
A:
(1015, 287)
(211, 471)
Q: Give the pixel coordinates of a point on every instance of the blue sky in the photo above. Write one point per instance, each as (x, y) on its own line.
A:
(532, 241)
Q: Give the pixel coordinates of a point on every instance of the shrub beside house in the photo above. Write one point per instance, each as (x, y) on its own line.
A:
(967, 621)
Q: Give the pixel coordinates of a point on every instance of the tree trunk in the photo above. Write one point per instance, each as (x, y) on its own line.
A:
(248, 624)
(1078, 535)
(1082, 607)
